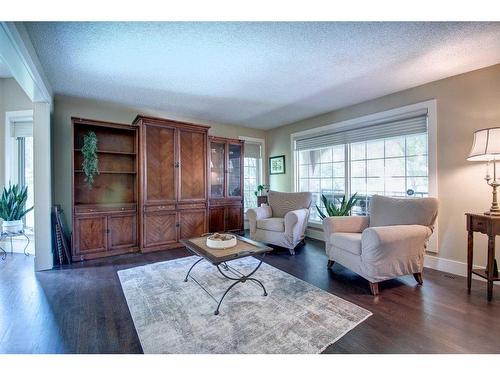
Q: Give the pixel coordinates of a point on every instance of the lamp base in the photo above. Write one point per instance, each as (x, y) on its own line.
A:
(492, 213)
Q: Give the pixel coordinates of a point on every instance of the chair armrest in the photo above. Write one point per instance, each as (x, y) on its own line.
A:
(394, 242)
(344, 224)
(296, 223)
(254, 214)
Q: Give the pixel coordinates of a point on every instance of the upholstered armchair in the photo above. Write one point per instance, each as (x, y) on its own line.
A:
(388, 243)
(283, 222)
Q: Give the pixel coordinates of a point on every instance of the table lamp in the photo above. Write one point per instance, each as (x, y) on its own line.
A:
(486, 147)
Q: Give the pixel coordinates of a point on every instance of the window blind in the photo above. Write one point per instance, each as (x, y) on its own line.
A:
(252, 150)
(410, 123)
(22, 129)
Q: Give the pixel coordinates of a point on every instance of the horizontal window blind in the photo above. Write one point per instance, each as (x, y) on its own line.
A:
(252, 150)
(22, 129)
(411, 123)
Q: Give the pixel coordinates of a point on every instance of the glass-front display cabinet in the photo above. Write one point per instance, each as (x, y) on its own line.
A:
(226, 184)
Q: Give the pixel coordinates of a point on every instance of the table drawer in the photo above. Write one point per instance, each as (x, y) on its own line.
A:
(479, 224)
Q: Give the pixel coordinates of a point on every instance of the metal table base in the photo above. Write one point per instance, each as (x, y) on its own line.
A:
(237, 277)
(10, 236)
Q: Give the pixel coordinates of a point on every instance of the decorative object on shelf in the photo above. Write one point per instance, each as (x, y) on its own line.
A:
(277, 164)
(90, 159)
(337, 206)
(221, 241)
(61, 242)
(13, 208)
(486, 147)
(262, 190)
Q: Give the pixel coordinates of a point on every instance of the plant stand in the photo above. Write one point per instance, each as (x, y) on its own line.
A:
(11, 235)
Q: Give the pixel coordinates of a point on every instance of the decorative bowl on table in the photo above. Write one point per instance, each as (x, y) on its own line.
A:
(221, 241)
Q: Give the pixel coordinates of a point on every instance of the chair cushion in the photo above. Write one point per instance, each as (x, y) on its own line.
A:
(350, 242)
(282, 203)
(386, 211)
(274, 224)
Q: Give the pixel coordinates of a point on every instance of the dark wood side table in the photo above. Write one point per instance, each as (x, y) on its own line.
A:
(489, 225)
(261, 199)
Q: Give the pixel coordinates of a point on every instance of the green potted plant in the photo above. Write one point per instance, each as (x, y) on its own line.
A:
(89, 153)
(262, 190)
(337, 206)
(13, 208)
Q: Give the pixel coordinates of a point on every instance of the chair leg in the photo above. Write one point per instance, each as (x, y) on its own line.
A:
(330, 263)
(374, 288)
(292, 251)
(418, 278)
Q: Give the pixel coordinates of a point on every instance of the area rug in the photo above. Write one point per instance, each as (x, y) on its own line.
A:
(173, 316)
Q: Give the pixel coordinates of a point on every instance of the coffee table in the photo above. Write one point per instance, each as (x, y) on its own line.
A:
(220, 257)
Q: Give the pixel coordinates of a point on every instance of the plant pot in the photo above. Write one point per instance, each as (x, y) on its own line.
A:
(14, 226)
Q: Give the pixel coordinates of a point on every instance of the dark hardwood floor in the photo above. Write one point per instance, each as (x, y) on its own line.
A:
(81, 309)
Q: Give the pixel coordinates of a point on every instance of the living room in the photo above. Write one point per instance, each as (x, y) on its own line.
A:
(252, 187)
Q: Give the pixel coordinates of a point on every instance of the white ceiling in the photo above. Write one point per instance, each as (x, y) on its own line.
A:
(260, 75)
(4, 70)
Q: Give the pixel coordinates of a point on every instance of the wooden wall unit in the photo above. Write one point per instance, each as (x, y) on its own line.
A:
(225, 184)
(105, 215)
(160, 181)
(173, 199)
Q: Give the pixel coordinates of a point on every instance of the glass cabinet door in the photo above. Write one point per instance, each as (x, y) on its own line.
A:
(234, 171)
(217, 157)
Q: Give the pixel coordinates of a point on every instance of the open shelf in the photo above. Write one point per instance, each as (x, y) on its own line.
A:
(484, 275)
(108, 172)
(109, 152)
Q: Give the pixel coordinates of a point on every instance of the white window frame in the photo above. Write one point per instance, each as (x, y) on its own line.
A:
(263, 169)
(376, 118)
(10, 156)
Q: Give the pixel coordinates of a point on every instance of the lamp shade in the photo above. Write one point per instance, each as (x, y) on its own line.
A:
(486, 145)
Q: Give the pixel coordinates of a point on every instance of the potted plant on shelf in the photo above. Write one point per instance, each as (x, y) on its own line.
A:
(89, 153)
(13, 208)
(337, 206)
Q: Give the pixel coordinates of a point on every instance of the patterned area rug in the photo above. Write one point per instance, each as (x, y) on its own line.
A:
(173, 316)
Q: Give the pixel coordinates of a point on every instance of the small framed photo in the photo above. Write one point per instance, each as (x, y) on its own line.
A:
(277, 164)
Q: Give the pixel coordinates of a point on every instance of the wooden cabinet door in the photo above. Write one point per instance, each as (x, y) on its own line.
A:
(159, 164)
(90, 234)
(122, 231)
(192, 223)
(216, 219)
(192, 168)
(234, 218)
(159, 228)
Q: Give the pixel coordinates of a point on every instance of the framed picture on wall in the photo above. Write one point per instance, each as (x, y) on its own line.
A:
(277, 164)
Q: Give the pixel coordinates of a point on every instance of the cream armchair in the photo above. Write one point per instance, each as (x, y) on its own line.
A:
(283, 222)
(388, 243)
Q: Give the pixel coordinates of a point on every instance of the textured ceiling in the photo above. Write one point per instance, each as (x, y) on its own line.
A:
(4, 70)
(260, 75)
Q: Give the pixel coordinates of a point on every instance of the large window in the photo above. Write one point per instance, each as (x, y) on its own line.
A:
(359, 161)
(252, 173)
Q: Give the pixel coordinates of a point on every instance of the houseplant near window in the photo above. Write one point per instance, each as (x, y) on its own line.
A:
(337, 206)
(13, 208)
(261, 189)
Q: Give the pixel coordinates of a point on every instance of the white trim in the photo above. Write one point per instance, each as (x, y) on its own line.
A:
(375, 118)
(11, 117)
(19, 55)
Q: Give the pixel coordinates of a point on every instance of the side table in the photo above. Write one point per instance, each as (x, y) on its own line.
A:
(11, 235)
(489, 225)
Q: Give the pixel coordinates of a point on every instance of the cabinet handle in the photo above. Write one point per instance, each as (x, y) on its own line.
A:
(91, 210)
(177, 225)
(176, 165)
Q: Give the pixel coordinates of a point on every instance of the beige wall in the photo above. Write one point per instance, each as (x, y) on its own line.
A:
(12, 98)
(465, 103)
(66, 107)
